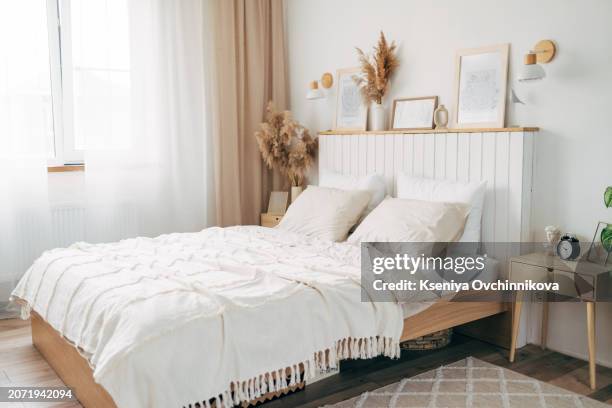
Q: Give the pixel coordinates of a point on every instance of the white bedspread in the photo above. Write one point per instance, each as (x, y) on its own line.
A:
(183, 318)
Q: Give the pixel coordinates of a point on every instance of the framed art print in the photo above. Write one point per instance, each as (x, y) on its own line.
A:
(351, 112)
(414, 113)
(601, 246)
(480, 89)
(278, 202)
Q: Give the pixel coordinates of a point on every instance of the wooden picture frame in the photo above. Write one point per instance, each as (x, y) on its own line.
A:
(597, 253)
(481, 82)
(351, 113)
(414, 113)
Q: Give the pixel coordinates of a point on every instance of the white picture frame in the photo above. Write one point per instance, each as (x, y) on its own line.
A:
(414, 113)
(351, 112)
(481, 86)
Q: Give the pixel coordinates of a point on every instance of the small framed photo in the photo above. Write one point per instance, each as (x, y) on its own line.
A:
(601, 246)
(351, 111)
(414, 113)
(480, 89)
(278, 202)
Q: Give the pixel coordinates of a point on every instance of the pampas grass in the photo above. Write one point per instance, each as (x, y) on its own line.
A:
(286, 145)
(377, 70)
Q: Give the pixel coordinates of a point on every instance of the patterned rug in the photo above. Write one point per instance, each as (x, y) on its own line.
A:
(470, 383)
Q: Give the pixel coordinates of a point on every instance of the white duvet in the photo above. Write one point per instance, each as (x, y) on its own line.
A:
(185, 318)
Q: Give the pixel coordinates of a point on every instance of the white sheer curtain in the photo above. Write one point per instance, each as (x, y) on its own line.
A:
(139, 113)
(24, 221)
(26, 138)
(160, 180)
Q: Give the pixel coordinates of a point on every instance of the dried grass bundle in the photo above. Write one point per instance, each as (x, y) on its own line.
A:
(286, 145)
(377, 71)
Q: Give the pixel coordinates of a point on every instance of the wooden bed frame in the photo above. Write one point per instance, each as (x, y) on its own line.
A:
(76, 373)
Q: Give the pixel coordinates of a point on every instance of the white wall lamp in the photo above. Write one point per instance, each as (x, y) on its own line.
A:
(543, 52)
(327, 80)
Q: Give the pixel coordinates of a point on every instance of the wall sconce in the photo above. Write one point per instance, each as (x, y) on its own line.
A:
(543, 52)
(327, 80)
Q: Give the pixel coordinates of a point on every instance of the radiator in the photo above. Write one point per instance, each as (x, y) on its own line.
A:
(67, 224)
(70, 224)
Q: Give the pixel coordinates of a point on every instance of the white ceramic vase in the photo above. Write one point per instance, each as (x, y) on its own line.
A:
(295, 192)
(377, 117)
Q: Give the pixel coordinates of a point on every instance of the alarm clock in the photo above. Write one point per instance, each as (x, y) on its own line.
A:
(568, 247)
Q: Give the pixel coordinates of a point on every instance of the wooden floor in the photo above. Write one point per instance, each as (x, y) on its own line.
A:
(21, 365)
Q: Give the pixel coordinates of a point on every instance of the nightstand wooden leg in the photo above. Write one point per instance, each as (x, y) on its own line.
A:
(516, 320)
(591, 337)
(544, 329)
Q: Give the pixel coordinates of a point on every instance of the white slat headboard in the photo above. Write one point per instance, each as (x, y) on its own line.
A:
(502, 157)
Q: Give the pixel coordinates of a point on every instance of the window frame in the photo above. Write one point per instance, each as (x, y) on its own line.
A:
(60, 61)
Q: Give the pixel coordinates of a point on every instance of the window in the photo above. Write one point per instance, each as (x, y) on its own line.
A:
(65, 80)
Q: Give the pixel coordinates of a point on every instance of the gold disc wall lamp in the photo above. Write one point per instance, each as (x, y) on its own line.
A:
(326, 81)
(543, 53)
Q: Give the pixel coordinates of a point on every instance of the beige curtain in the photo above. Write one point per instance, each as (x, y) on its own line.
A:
(249, 69)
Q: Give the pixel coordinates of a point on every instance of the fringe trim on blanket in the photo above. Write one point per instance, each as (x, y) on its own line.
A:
(275, 381)
(25, 308)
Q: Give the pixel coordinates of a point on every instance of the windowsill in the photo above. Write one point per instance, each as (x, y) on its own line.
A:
(66, 168)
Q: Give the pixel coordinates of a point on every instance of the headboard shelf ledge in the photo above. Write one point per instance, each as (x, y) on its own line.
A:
(421, 131)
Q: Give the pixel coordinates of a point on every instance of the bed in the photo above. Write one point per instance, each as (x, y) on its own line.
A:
(106, 344)
(124, 313)
(131, 309)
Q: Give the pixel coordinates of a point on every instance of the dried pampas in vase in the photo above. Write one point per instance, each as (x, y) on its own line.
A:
(286, 145)
(376, 74)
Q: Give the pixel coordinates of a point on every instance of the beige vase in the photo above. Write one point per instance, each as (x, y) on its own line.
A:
(441, 117)
(295, 192)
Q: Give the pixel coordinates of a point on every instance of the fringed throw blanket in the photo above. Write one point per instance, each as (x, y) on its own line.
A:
(218, 315)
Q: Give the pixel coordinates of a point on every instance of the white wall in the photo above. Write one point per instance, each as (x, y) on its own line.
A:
(572, 105)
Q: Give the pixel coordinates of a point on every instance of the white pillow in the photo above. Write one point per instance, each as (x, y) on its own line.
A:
(373, 183)
(447, 191)
(326, 213)
(400, 220)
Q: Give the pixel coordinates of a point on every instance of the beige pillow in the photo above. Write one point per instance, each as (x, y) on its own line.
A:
(326, 213)
(403, 220)
(374, 183)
